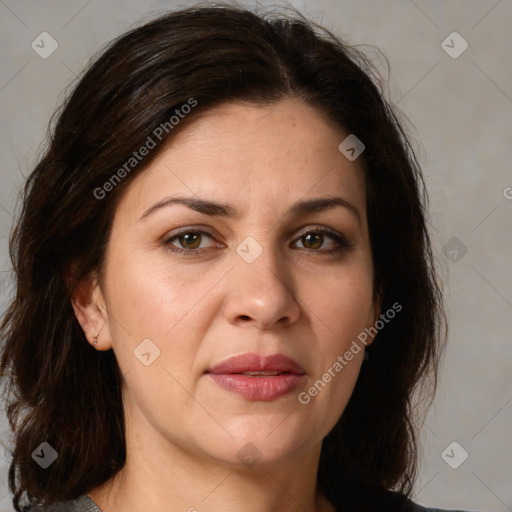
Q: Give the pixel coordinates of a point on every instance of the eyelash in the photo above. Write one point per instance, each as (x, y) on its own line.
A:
(342, 242)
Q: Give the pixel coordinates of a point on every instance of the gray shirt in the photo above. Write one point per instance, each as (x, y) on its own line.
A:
(81, 504)
(86, 504)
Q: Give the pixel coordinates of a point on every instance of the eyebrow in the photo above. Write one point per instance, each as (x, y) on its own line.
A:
(216, 209)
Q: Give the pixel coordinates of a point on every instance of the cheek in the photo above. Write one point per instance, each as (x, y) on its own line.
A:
(342, 309)
(157, 300)
(150, 303)
(344, 303)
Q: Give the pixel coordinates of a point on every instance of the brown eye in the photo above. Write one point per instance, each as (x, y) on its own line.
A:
(190, 240)
(312, 240)
(322, 241)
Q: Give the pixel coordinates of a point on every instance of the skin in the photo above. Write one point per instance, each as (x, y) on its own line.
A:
(183, 430)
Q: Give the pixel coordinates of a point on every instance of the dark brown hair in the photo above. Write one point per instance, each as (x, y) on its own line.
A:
(64, 392)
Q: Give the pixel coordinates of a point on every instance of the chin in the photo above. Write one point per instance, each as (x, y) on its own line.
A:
(264, 441)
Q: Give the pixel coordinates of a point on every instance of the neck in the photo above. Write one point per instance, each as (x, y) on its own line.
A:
(215, 492)
(171, 479)
(162, 474)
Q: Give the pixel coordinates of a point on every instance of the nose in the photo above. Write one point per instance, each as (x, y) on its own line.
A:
(261, 293)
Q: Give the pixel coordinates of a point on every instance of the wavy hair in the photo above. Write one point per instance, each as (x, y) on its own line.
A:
(62, 391)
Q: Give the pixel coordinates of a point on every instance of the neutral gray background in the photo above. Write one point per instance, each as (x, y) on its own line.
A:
(460, 113)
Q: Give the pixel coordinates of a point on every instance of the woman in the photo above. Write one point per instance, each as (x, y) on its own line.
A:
(225, 290)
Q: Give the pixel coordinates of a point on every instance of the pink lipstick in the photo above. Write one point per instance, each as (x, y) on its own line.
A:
(258, 377)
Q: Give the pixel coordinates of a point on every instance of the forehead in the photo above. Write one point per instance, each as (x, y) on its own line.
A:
(276, 153)
(289, 126)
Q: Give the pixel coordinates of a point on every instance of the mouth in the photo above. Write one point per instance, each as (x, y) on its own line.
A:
(257, 364)
(257, 377)
(260, 374)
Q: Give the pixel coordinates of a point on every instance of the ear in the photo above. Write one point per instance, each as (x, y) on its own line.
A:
(90, 310)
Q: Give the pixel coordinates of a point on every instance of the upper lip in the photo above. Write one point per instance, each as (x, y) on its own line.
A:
(240, 363)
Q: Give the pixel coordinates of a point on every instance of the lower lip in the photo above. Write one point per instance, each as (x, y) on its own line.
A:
(258, 388)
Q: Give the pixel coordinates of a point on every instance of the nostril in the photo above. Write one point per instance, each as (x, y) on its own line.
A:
(245, 317)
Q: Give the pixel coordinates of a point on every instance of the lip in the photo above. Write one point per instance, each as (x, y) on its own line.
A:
(228, 375)
(257, 363)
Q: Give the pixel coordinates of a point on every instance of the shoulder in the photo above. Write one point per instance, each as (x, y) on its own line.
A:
(81, 504)
(397, 502)
(382, 500)
(415, 507)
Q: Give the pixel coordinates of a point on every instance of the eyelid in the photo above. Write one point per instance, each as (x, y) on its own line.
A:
(189, 229)
(312, 228)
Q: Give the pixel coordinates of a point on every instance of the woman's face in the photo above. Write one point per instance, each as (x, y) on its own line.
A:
(255, 279)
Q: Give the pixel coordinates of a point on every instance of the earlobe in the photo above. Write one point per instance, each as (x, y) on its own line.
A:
(90, 310)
